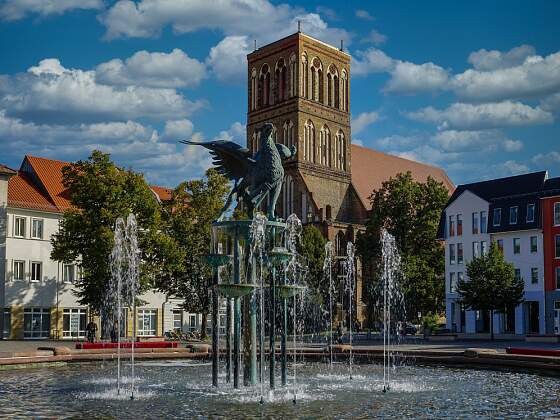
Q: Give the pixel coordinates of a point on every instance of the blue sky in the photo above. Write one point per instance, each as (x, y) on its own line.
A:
(473, 87)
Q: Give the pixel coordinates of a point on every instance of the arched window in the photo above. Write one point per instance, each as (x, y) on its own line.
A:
(254, 89)
(317, 80)
(344, 91)
(287, 196)
(340, 151)
(309, 142)
(325, 146)
(280, 81)
(264, 86)
(340, 244)
(288, 133)
(332, 88)
(304, 76)
(293, 76)
(255, 142)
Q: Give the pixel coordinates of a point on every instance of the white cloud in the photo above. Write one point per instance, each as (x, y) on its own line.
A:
(397, 141)
(463, 116)
(157, 69)
(178, 129)
(408, 77)
(51, 93)
(375, 37)
(364, 14)
(484, 60)
(255, 18)
(474, 141)
(18, 9)
(371, 60)
(546, 160)
(551, 103)
(228, 59)
(536, 76)
(237, 132)
(363, 120)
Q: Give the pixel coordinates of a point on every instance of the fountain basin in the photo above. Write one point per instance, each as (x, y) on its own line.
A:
(288, 290)
(236, 290)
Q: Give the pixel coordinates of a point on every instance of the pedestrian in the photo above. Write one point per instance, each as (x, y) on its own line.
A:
(91, 329)
(339, 334)
(114, 334)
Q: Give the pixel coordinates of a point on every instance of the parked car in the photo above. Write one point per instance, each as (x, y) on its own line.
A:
(408, 329)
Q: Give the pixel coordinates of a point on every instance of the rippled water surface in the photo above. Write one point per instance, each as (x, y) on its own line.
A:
(180, 389)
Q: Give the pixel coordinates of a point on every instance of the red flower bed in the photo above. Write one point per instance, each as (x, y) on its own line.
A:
(127, 345)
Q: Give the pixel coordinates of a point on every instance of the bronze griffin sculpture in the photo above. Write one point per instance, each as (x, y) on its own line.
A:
(255, 177)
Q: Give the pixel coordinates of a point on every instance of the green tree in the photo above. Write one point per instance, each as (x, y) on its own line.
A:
(492, 285)
(410, 211)
(312, 248)
(100, 193)
(194, 206)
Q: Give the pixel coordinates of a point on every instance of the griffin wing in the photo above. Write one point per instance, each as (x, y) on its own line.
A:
(285, 152)
(231, 159)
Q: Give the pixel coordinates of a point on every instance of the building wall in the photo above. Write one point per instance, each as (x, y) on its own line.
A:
(551, 263)
(3, 233)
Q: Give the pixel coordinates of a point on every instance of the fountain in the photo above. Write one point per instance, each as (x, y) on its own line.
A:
(327, 270)
(124, 262)
(350, 286)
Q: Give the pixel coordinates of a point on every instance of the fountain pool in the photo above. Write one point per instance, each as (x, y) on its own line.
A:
(182, 389)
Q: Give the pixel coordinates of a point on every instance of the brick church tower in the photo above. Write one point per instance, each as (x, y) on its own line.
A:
(301, 85)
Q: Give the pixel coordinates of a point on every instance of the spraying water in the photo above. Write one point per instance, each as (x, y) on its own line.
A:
(327, 268)
(391, 262)
(349, 263)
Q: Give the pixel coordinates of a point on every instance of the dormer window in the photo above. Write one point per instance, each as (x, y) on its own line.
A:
(497, 217)
(513, 215)
(530, 212)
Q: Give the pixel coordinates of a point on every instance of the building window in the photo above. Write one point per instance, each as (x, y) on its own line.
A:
(451, 226)
(530, 212)
(459, 225)
(324, 151)
(19, 270)
(36, 271)
(556, 214)
(497, 217)
(309, 142)
(344, 91)
(177, 320)
(483, 221)
(534, 275)
(500, 243)
(7, 323)
(452, 285)
(475, 223)
(557, 246)
(74, 323)
(340, 151)
(451, 254)
(459, 253)
(557, 279)
(147, 321)
(37, 228)
(254, 89)
(36, 322)
(517, 274)
(516, 245)
(534, 246)
(460, 278)
(19, 227)
(476, 249)
(513, 215)
(483, 248)
(68, 273)
(192, 323)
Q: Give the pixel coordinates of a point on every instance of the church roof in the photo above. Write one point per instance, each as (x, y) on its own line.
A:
(370, 168)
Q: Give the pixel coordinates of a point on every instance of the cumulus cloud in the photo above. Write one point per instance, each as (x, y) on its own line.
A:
(163, 70)
(18, 9)
(462, 116)
(259, 18)
(546, 160)
(375, 37)
(228, 59)
(412, 78)
(51, 93)
(397, 141)
(475, 141)
(484, 60)
(178, 129)
(364, 14)
(371, 60)
(363, 120)
(536, 76)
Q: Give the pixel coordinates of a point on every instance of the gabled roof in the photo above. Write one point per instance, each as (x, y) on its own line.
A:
(4, 170)
(371, 168)
(38, 185)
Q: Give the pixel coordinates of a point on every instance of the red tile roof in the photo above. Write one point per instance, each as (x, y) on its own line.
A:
(371, 168)
(39, 186)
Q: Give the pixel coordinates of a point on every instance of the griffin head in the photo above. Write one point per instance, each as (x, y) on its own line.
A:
(266, 130)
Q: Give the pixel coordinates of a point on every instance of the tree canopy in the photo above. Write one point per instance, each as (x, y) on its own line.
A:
(194, 206)
(491, 284)
(312, 248)
(100, 192)
(410, 211)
